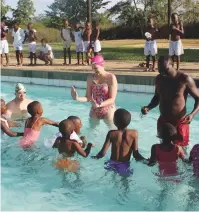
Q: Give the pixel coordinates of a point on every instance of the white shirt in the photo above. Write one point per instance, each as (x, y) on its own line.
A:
(46, 48)
(78, 37)
(66, 33)
(19, 36)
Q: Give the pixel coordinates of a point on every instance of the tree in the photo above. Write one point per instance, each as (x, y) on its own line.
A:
(24, 12)
(4, 9)
(73, 10)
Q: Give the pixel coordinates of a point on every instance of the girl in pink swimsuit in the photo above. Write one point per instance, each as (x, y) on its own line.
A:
(101, 92)
(34, 124)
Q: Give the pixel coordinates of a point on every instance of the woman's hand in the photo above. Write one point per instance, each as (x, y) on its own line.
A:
(74, 93)
(94, 103)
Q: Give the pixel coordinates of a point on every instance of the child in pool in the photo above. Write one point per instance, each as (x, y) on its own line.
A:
(124, 142)
(5, 124)
(74, 136)
(166, 153)
(34, 124)
(194, 158)
(68, 147)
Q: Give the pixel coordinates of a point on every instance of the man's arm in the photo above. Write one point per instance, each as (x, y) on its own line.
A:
(105, 147)
(152, 160)
(62, 35)
(193, 91)
(82, 152)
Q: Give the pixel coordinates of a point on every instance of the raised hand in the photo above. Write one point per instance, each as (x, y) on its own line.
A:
(74, 93)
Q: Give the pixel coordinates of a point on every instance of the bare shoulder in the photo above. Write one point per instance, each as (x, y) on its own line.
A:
(111, 78)
(28, 101)
(10, 104)
(132, 132)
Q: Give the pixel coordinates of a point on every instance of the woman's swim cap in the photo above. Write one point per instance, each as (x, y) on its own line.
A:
(20, 87)
(98, 60)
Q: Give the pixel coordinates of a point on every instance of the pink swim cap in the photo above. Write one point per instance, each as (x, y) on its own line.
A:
(98, 60)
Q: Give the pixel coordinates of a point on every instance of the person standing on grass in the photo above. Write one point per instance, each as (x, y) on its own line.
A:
(46, 53)
(19, 39)
(31, 35)
(87, 39)
(79, 43)
(171, 91)
(66, 34)
(4, 48)
(95, 44)
(176, 32)
(150, 48)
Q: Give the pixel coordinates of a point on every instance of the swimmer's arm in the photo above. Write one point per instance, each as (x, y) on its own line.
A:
(49, 122)
(87, 98)
(181, 153)
(193, 91)
(8, 132)
(155, 101)
(104, 149)
(112, 92)
(82, 152)
(136, 154)
(55, 145)
(152, 160)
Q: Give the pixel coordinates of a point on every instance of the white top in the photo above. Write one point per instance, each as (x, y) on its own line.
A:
(78, 36)
(47, 48)
(19, 36)
(66, 33)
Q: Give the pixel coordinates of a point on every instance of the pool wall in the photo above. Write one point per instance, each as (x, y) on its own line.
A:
(130, 83)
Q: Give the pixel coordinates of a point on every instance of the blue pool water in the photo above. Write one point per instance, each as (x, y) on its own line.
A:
(30, 182)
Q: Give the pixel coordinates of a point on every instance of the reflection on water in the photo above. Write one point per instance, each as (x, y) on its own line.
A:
(32, 183)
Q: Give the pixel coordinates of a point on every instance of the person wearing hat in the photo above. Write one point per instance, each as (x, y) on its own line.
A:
(101, 92)
(17, 108)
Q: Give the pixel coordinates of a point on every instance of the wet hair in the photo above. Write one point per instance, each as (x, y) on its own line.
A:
(122, 118)
(167, 132)
(165, 59)
(66, 127)
(44, 40)
(33, 107)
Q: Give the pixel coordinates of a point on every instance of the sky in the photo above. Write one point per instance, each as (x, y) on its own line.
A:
(41, 5)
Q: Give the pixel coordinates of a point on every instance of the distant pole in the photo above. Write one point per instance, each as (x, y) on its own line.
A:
(169, 12)
(89, 11)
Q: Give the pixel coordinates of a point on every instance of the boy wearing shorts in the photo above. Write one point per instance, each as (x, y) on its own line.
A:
(66, 34)
(31, 35)
(4, 49)
(19, 39)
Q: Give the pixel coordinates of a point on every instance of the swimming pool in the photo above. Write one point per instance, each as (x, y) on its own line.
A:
(30, 182)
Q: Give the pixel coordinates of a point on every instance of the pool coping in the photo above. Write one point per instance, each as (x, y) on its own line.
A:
(126, 82)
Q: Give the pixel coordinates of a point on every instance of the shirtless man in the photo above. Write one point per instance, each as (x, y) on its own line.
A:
(176, 32)
(124, 142)
(87, 38)
(17, 108)
(4, 49)
(150, 49)
(32, 38)
(171, 90)
(95, 43)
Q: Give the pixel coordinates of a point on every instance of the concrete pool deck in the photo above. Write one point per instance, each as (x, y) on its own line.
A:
(130, 77)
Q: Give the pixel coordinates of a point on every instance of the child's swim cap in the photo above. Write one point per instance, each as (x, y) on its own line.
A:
(98, 60)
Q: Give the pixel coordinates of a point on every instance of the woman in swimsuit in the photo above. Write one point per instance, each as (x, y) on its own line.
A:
(101, 92)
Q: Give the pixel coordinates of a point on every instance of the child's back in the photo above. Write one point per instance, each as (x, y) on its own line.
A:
(123, 144)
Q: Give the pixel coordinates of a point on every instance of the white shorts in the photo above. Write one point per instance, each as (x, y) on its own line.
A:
(150, 48)
(176, 48)
(97, 46)
(32, 47)
(80, 47)
(67, 44)
(4, 49)
(18, 46)
(86, 46)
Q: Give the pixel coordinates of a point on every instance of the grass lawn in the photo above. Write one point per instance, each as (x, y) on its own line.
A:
(130, 50)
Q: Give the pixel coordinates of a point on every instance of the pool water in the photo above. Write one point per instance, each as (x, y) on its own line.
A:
(30, 182)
